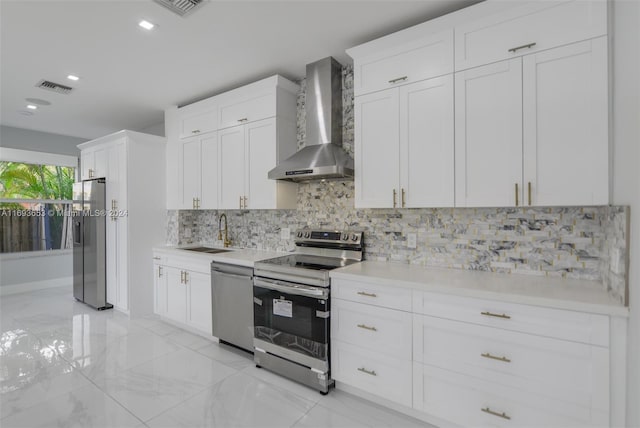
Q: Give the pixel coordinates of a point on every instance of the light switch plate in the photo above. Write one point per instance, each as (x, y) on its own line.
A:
(285, 233)
(411, 240)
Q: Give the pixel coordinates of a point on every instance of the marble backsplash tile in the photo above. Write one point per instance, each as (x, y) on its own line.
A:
(572, 242)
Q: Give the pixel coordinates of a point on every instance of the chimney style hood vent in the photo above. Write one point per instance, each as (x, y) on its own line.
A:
(323, 156)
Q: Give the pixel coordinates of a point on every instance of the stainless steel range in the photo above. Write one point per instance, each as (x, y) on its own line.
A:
(291, 305)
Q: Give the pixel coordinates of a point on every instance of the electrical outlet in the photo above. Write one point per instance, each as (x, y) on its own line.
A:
(285, 233)
(411, 240)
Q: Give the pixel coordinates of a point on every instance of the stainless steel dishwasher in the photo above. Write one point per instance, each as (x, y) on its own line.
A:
(232, 304)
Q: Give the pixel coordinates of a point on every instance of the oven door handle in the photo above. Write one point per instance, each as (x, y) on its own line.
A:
(290, 288)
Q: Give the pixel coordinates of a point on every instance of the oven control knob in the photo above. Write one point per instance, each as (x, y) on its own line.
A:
(354, 237)
(345, 236)
(307, 235)
(299, 234)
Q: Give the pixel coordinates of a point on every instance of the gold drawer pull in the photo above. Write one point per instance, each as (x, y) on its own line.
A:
(366, 327)
(369, 372)
(362, 293)
(491, 314)
(493, 357)
(517, 48)
(157, 258)
(502, 415)
(244, 119)
(195, 131)
(398, 79)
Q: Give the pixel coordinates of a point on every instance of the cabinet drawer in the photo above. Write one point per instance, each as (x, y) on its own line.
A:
(568, 371)
(427, 57)
(461, 399)
(557, 323)
(378, 374)
(196, 122)
(234, 112)
(545, 24)
(372, 294)
(382, 330)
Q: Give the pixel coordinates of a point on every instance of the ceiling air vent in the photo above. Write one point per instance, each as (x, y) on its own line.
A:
(181, 7)
(54, 87)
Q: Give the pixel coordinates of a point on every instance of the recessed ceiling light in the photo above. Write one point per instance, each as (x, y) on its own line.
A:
(32, 107)
(72, 77)
(37, 101)
(146, 25)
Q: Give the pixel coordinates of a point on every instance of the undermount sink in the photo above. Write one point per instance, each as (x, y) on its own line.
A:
(208, 250)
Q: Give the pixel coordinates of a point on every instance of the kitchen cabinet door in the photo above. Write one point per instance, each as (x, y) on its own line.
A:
(191, 173)
(488, 135)
(427, 144)
(377, 152)
(260, 140)
(231, 167)
(209, 172)
(159, 289)
(199, 301)
(565, 126)
(197, 120)
(176, 295)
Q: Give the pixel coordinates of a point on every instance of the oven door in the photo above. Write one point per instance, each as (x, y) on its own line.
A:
(292, 320)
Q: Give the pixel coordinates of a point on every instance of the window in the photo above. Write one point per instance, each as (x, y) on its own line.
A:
(35, 206)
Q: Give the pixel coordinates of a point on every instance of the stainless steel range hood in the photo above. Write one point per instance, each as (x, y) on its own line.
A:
(323, 156)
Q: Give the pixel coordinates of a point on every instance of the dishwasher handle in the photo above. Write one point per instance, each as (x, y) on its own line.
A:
(233, 275)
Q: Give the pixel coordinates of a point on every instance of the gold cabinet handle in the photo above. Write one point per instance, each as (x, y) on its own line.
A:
(244, 119)
(159, 271)
(157, 258)
(404, 202)
(197, 203)
(90, 173)
(529, 192)
(369, 372)
(244, 200)
(502, 415)
(517, 196)
(395, 198)
(398, 79)
(493, 357)
(491, 314)
(366, 327)
(362, 293)
(195, 131)
(517, 48)
(240, 202)
(181, 277)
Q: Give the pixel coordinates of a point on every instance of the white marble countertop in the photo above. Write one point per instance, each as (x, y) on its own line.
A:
(569, 294)
(237, 256)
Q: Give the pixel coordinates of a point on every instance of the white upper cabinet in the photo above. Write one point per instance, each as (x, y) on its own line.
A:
(237, 110)
(488, 160)
(231, 167)
(427, 144)
(93, 162)
(565, 127)
(377, 149)
(525, 27)
(246, 154)
(226, 168)
(198, 118)
(404, 146)
(401, 59)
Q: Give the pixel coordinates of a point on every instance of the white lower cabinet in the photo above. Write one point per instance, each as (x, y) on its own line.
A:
(472, 361)
(183, 292)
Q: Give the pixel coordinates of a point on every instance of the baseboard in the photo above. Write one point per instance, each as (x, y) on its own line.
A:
(24, 287)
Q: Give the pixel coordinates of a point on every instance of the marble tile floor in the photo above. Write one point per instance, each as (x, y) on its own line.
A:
(63, 364)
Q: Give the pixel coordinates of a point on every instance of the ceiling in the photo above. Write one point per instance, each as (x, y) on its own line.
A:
(128, 75)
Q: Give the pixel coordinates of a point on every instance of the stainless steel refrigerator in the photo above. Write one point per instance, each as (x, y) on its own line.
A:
(89, 243)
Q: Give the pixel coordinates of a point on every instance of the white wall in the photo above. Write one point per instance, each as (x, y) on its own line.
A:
(156, 129)
(626, 167)
(25, 139)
